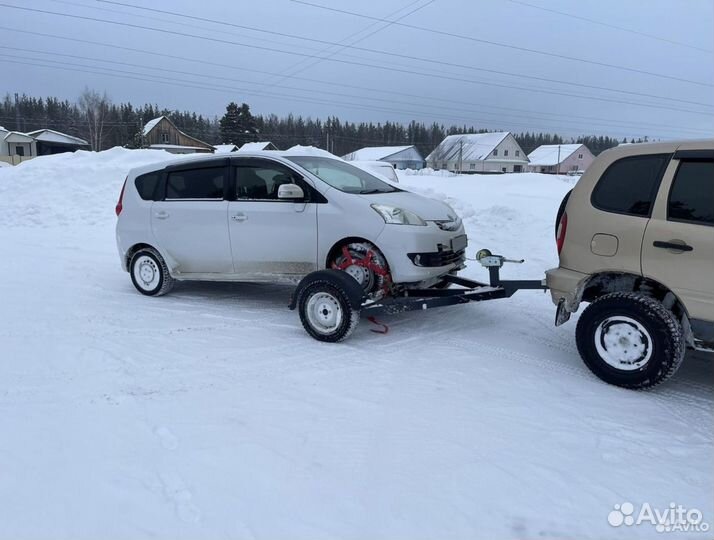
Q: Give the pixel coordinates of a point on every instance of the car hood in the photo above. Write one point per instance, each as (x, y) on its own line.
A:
(424, 207)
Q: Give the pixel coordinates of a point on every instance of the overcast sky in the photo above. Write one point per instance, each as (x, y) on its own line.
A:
(447, 78)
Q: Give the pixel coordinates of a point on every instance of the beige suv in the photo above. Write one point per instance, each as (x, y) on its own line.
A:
(636, 240)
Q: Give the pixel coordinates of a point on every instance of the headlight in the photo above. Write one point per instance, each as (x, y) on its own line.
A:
(397, 216)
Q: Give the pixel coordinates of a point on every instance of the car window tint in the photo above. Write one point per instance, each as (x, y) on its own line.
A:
(692, 195)
(261, 182)
(148, 186)
(204, 183)
(629, 185)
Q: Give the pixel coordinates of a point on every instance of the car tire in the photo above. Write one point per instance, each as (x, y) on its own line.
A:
(371, 281)
(149, 273)
(630, 340)
(326, 312)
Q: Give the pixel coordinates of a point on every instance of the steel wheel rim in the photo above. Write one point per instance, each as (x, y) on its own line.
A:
(623, 343)
(324, 313)
(147, 273)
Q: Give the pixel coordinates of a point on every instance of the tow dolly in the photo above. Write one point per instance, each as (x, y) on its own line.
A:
(330, 302)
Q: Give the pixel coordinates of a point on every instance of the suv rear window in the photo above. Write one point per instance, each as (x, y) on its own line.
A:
(205, 183)
(629, 185)
(148, 186)
(691, 198)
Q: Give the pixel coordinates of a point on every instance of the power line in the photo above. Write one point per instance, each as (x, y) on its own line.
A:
(548, 115)
(472, 81)
(609, 25)
(231, 79)
(505, 45)
(406, 56)
(354, 34)
(190, 84)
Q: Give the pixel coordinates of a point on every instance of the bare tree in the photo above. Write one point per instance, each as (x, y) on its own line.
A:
(95, 108)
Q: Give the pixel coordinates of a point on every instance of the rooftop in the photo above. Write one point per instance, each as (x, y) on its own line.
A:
(552, 154)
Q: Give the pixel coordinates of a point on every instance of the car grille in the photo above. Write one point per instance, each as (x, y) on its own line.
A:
(438, 258)
(448, 225)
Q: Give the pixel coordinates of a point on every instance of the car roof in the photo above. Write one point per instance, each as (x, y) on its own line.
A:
(669, 147)
(207, 158)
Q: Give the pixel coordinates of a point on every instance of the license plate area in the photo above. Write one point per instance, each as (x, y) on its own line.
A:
(459, 243)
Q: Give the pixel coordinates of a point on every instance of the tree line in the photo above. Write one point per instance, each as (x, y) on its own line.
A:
(104, 124)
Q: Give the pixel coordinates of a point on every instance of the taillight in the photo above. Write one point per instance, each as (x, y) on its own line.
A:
(562, 228)
(120, 205)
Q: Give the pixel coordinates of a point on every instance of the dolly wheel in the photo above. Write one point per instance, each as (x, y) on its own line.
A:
(326, 312)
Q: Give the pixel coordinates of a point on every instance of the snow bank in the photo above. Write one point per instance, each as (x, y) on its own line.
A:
(73, 188)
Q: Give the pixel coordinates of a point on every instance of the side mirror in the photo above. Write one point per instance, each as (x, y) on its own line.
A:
(290, 191)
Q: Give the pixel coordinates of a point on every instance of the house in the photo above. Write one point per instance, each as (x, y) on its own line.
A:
(257, 146)
(161, 134)
(560, 158)
(16, 147)
(497, 152)
(400, 157)
(225, 148)
(50, 142)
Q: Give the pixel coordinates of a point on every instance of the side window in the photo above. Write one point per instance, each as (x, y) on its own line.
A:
(629, 185)
(261, 182)
(204, 183)
(495, 152)
(691, 198)
(148, 186)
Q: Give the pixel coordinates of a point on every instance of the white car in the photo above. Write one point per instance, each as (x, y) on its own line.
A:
(380, 167)
(275, 217)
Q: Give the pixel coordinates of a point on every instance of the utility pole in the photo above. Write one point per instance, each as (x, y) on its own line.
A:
(461, 154)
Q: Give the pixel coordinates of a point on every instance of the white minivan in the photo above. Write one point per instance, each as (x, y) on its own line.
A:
(275, 217)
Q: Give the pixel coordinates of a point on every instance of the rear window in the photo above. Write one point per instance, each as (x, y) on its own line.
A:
(691, 198)
(629, 185)
(148, 186)
(204, 183)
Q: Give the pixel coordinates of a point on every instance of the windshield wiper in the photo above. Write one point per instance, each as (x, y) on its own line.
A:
(372, 191)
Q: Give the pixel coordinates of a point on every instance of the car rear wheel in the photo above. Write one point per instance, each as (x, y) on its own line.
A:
(149, 273)
(630, 340)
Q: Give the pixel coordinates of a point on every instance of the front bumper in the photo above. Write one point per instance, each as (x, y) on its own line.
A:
(417, 254)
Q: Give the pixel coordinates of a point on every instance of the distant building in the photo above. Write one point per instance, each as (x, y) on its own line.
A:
(225, 148)
(16, 147)
(50, 141)
(560, 158)
(479, 153)
(400, 157)
(161, 134)
(257, 146)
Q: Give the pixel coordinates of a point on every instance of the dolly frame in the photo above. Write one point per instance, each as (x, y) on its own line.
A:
(347, 297)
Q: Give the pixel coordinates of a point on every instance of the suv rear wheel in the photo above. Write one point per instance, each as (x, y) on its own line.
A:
(630, 340)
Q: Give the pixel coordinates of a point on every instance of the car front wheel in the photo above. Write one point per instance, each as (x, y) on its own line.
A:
(630, 340)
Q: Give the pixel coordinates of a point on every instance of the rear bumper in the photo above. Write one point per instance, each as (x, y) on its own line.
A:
(566, 286)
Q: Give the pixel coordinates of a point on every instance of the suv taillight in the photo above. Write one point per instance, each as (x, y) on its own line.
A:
(562, 228)
(119, 205)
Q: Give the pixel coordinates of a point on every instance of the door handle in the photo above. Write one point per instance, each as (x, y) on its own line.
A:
(673, 244)
(162, 215)
(239, 217)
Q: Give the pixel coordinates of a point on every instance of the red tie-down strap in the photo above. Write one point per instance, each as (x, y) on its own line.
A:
(383, 327)
(368, 263)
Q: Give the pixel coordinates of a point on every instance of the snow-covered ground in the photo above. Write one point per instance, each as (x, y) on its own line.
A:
(209, 413)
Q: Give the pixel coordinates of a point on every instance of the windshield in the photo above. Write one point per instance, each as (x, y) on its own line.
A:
(343, 176)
